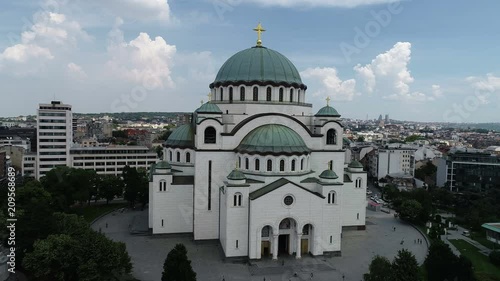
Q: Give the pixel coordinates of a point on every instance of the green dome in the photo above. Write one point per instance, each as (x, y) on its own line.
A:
(209, 108)
(273, 139)
(163, 165)
(258, 64)
(328, 111)
(236, 175)
(355, 164)
(328, 174)
(182, 137)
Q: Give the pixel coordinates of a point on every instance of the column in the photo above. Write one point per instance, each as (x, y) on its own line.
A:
(299, 244)
(275, 246)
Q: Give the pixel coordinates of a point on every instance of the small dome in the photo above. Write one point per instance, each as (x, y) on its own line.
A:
(355, 164)
(163, 165)
(209, 108)
(236, 175)
(327, 111)
(273, 139)
(182, 137)
(258, 64)
(328, 174)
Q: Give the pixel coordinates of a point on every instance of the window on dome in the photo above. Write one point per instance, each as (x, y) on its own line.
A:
(221, 93)
(230, 91)
(178, 157)
(291, 95)
(230, 97)
(255, 94)
(257, 165)
(210, 135)
(298, 96)
(170, 155)
(269, 165)
(282, 165)
(293, 165)
(281, 94)
(302, 165)
(268, 97)
(331, 136)
(239, 162)
(242, 94)
(330, 165)
(188, 157)
(247, 163)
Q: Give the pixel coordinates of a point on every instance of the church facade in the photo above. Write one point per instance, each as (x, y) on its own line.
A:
(256, 169)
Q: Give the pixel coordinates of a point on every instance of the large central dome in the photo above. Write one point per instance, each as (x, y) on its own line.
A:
(273, 139)
(258, 65)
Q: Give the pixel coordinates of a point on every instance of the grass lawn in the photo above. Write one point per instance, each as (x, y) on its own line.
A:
(485, 271)
(92, 212)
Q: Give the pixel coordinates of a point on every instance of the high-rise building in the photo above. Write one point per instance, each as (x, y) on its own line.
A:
(54, 136)
(387, 119)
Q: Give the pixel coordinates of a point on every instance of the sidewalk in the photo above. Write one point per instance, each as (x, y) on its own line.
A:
(457, 234)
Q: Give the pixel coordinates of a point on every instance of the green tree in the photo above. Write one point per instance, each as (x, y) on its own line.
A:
(109, 187)
(177, 266)
(159, 151)
(136, 186)
(413, 138)
(405, 267)
(464, 270)
(360, 139)
(495, 258)
(410, 210)
(440, 262)
(380, 270)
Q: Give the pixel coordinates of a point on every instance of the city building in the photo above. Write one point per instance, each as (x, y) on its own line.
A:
(492, 232)
(3, 164)
(55, 136)
(256, 169)
(472, 171)
(395, 161)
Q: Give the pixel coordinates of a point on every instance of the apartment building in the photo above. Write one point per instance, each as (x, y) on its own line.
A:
(395, 161)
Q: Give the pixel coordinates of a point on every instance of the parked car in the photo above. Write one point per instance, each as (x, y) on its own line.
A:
(369, 192)
(466, 233)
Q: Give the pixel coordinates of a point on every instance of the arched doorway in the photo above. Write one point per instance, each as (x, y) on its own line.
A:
(287, 237)
(266, 239)
(307, 239)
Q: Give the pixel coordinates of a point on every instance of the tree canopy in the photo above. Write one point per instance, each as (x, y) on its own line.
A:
(177, 266)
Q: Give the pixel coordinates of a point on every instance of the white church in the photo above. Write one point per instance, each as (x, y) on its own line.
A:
(256, 169)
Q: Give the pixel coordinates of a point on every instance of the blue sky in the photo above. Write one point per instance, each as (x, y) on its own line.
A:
(414, 60)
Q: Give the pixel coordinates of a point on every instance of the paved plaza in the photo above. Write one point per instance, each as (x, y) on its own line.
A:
(358, 247)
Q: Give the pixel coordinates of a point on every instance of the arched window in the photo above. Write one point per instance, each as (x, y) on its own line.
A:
(230, 97)
(305, 229)
(331, 136)
(242, 94)
(293, 165)
(269, 165)
(239, 162)
(231, 91)
(268, 95)
(221, 93)
(247, 163)
(170, 155)
(282, 165)
(298, 96)
(358, 183)
(330, 165)
(291, 95)
(266, 230)
(210, 135)
(178, 156)
(237, 199)
(302, 165)
(255, 94)
(281, 94)
(331, 197)
(188, 157)
(163, 185)
(257, 164)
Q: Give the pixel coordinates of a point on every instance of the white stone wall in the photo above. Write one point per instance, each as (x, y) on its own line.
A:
(354, 201)
(236, 223)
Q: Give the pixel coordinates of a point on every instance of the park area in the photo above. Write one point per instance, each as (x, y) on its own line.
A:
(484, 269)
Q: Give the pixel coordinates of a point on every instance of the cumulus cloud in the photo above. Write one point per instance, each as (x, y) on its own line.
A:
(49, 33)
(142, 60)
(389, 75)
(75, 71)
(490, 83)
(319, 3)
(330, 85)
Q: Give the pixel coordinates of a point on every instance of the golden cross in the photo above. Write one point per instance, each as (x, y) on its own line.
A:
(328, 101)
(259, 30)
(209, 96)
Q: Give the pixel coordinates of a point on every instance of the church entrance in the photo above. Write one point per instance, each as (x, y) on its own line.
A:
(283, 242)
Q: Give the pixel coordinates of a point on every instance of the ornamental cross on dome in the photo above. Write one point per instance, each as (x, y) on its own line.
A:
(328, 101)
(259, 31)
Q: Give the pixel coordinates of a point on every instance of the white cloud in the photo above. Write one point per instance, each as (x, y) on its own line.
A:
(23, 52)
(75, 71)
(330, 85)
(141, 60)
(134, 9)
(436, 91)
(490, 83)
(319, 3)
(388, 74)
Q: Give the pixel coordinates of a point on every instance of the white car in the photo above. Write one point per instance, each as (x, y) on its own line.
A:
(369, 192)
